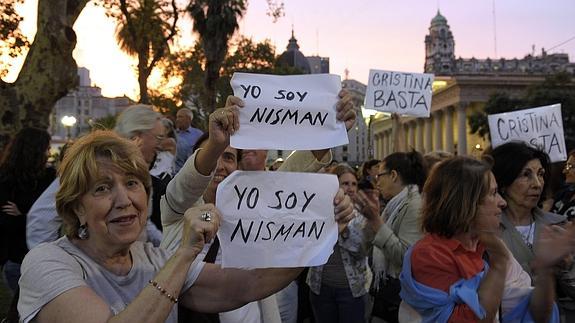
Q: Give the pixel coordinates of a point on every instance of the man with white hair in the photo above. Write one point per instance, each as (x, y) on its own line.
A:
(187, 136)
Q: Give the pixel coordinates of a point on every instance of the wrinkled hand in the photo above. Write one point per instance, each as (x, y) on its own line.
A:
(197, 232)
(344, 211)
(11, 208)
(345, 109)
(224, 122)
(555, 243)
(368, 203)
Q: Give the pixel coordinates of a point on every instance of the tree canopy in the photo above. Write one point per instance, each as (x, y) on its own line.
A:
(145, 30)
(13, 42)
(188, 65)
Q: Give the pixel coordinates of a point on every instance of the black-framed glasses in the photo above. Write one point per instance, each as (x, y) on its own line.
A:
(382, 174)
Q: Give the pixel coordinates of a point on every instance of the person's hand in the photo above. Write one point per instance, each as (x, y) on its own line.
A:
(499, 255)
(224, 122)
(11, 208)
(344, 211)
(200, 227)
(368, 203)
(345, 109)
(554, 244)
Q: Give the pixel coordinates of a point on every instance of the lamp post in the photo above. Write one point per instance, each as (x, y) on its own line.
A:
(68, 122)
(369, 115)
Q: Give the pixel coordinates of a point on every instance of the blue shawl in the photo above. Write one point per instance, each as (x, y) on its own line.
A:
(435, 305)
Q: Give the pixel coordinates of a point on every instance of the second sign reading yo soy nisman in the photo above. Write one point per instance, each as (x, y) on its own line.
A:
(284, 112)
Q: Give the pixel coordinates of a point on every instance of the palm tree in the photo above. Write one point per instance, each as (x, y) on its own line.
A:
(144, 32)
(215, 21)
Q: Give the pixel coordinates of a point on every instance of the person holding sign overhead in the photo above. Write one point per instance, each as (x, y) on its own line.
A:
(100, 272)
(187, 187)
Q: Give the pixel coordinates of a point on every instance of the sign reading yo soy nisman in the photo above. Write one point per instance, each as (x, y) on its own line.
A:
(288, 112)
(276, 219)
(541, 127)
(398, 92)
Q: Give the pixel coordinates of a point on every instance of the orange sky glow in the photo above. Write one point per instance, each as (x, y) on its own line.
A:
(357, 35)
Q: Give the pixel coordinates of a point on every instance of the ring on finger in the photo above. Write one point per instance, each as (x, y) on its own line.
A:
(206, 216)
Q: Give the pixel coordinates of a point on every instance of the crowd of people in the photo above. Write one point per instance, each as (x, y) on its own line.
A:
(125, 230)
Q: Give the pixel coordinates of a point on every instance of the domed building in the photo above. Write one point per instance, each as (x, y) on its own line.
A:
(292, 57)
(440, 58)
(463, 87)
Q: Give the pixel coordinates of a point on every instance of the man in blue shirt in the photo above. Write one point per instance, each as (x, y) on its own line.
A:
(187, 136)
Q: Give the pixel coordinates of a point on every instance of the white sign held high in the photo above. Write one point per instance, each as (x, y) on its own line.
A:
(541, 127)
(276, 219)
(288, 112)
(398, 92)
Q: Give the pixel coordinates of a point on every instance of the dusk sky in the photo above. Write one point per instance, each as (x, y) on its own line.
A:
(357, 35)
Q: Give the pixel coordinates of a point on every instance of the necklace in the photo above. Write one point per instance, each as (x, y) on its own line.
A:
(526, 232)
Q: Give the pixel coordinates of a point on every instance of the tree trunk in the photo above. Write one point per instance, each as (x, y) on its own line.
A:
(143, 75)
(49, 71)
(211, 77)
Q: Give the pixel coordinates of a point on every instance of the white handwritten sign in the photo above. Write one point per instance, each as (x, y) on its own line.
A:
(541, 127)
(398, 92)
(288, 112)
(276, 219)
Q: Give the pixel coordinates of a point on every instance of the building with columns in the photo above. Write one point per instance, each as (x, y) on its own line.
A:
(447, 128)
(461, 87)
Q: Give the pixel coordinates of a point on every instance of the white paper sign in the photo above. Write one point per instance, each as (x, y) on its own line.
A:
(276, 219)
(541, 127)
(288, 112)
(398, 92)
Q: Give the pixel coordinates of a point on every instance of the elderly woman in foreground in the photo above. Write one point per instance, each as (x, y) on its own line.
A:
(461, 271)
(99, 272)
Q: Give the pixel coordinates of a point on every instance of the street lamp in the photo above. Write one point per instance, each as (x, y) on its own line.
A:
(68, 122)
(369, 115)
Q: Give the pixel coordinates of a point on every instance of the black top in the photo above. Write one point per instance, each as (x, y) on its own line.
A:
(563, 202)
(13, 228)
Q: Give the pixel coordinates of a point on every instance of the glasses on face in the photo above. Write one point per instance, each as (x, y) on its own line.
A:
(381, 174)
(568, 167)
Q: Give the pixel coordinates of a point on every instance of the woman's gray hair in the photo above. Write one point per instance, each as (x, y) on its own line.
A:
(135, 119)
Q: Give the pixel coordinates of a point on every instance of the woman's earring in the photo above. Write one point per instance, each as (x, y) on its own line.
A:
(83, 232)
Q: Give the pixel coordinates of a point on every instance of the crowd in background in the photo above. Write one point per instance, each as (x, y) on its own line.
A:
(425, 237)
